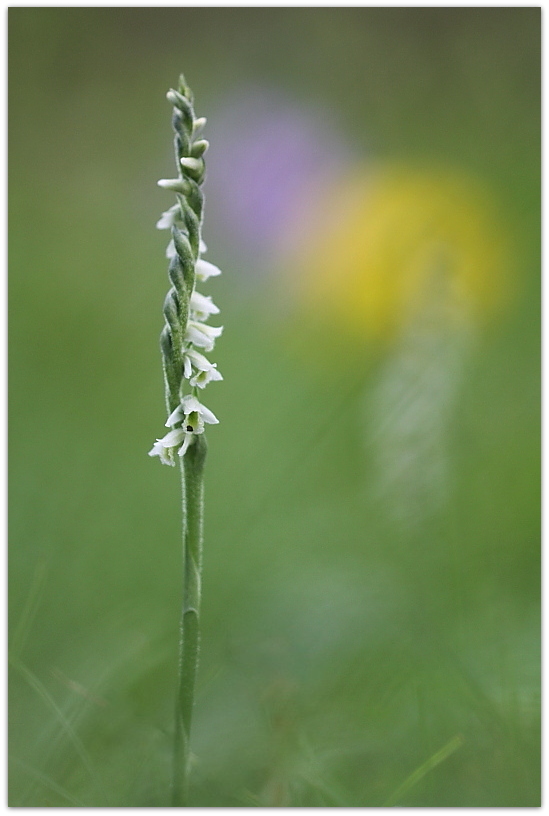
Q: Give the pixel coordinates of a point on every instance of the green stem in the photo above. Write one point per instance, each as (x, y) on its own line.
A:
(192, 473)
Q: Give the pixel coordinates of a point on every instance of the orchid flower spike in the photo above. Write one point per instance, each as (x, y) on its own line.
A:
(186, 311)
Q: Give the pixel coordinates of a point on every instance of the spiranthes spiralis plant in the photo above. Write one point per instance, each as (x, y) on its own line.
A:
(186, 370)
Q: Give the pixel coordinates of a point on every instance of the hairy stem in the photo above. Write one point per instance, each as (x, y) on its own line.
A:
(192, 480)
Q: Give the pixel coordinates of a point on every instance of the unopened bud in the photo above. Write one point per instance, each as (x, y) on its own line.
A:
(198, 125)
(199, 148)
(191, 164)
(177, 185)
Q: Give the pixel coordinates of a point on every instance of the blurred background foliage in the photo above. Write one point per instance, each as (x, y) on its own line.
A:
(371, 578)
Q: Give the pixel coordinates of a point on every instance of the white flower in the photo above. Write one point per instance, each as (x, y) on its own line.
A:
(193, 415)
(170, 250)
(164, 447)
(206, 372)
(202, 378)
(202, 306)
(194, 358)
(169, 218)
(192, 408)
(205, 270)
(201, 335)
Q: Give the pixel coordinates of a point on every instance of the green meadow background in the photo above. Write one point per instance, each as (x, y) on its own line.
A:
(351, 656)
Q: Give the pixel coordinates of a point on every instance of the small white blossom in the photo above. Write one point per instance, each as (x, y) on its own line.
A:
(202, 335)
(205, 269)
(164, 447)
(202, 378)
(169, 218)
(193, 415)
(206, 372)
(190, 406)
(194, 358)
(202, 306)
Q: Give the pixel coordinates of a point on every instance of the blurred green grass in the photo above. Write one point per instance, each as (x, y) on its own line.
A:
(339, 654)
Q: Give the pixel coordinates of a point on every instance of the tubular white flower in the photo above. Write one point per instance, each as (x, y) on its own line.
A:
(202, 307)
(191, 406)
(202, 335)
(169, 218)
(202, 378)
(198, 360)
(193, 415)
(194, 358)
(164, 447)
(205, 269)
(165, 454)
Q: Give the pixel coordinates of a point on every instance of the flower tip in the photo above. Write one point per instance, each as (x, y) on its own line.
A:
(198, 125)
(187, 442)
(172, 184)
(205, 270)
(174, 417)
(199, 148)
(191, 164)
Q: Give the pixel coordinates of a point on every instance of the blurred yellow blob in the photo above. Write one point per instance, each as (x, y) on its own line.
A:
(381, 241)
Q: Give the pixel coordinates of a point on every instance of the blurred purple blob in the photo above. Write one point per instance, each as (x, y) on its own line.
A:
(268, 158)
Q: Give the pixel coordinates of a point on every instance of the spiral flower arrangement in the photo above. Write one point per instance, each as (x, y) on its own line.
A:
(186, 371)
(186, 310)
